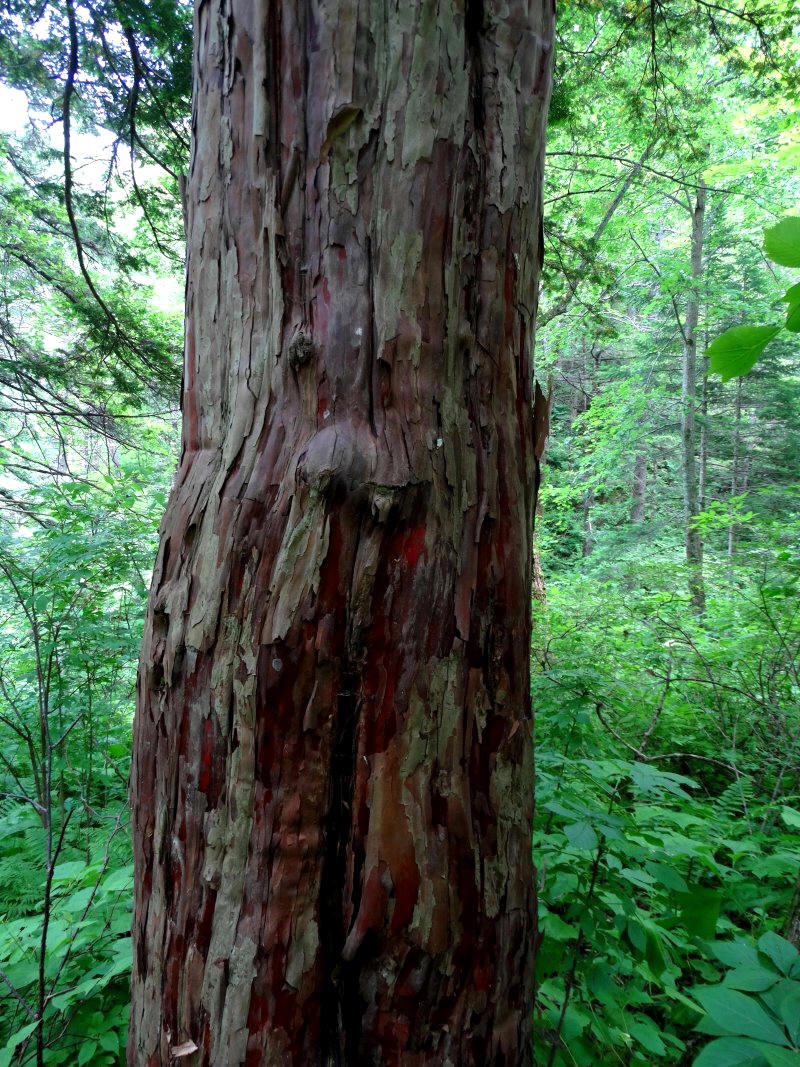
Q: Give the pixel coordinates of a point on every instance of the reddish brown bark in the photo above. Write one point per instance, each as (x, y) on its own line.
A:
(332, 779)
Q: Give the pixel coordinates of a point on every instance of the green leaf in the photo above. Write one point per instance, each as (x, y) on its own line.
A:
(636, 935)
(554, 926)
(110, 1041)
(667, 876)
(791, 816)
(700, 910)
(68, 872)
(779, 1057)
(738, 1014)
(734, 352)
(648, 1035)
(751, 979)
(17, 1039)
(735, 953)
(729, 1052)
(581, 835)
(780, 951)
(654, 953)
(121, 879)
(651, 780)
(789, 1011)
(782, 242)
(86, 1054)
(792, 297)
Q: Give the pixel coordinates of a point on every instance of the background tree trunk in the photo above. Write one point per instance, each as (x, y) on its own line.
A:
(639, 488)
(588, 528)
(703, 472)
(694, 543)
(332, 778)
(733, 529)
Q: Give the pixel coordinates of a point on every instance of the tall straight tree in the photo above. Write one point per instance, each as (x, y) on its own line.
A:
(691, 508)
(332, 779)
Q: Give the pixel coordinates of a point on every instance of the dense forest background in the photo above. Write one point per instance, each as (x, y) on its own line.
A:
(666, 629)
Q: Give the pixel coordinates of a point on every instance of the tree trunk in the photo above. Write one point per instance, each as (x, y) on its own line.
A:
(332, 778)
(703, 476)
(588, 526)
(588, 377)
(733, 529)
(639, 487)
(694, 543)
(539, 589)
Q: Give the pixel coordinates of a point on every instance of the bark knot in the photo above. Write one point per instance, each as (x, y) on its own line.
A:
(301, 348)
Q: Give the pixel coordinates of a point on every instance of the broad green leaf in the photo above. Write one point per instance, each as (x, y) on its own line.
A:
(16, 1039)
(601, 984)
(637, 877)
(667, 876)
(789, 1010)
(637, 935)
(779, 1057)
(648, 1035)
(791, 816)
(58, 1055)
(87, 1051)
(776, 998)
(575, 1021)
(782, 242)
(121, 879)
(581, 835)
(708, 1026)
(654, 952)
(555, 927)
(651, 779)
(110, 1041)
(729, 1052)
(700, 910)
(734, 352)
(780, 951)
(68, 872)
(792, 297)
(751, 979)
(735, 953)
(739, 1014)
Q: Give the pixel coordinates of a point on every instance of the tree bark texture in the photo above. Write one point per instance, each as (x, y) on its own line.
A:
(694, 543)
(332, 778)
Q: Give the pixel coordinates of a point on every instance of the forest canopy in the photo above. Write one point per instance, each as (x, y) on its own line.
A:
(665, 650)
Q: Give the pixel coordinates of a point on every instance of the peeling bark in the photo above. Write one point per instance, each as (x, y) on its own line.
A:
(332, 777)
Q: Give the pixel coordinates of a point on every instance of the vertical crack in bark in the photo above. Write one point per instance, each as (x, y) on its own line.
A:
(341, 1008)
(341, 1012)
(473, 29)
(273, 61)
(304, 270)
(369, 343)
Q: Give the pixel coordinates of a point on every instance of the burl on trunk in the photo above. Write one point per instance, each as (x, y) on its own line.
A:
(332, 780)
